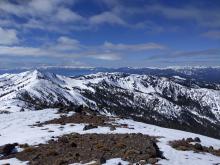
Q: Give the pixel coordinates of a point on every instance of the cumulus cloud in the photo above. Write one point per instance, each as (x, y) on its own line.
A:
(8, 36)
(41, 14)
(63, 47)
(51, 14)
(72, 48)
(60, 20)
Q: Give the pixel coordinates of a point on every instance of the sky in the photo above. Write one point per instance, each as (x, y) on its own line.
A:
(109, 33)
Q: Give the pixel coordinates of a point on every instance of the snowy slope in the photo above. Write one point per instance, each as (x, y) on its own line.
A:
(168, 102)
(15, 127)
(33, 88)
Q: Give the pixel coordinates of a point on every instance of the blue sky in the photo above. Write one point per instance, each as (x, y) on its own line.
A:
(109, 33)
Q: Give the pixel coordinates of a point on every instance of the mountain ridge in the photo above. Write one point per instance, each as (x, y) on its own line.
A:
(199, 74)
(162, 101)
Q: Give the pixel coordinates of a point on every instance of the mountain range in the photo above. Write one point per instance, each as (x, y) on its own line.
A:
(168, 100)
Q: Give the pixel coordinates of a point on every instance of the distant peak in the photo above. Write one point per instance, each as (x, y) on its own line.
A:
(39, 74)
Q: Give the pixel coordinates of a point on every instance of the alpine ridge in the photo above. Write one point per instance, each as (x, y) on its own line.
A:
(173, 102)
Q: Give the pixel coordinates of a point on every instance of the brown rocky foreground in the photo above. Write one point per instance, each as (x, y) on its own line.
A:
(75, 148)
(98, 120)
(190, 144)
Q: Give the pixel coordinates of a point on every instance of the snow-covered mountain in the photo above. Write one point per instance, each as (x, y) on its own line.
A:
(199, 74)
(169, 102)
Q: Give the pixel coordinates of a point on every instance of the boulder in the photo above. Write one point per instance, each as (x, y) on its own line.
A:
(90, 126)
(197, 139)
(9, 149)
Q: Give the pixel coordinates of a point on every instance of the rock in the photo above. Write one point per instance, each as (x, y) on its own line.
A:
(64, 139)
(9, 149)
(131, 153)
(24, 145)
(142, 162)
(73, 144)
(62, 162)
(197, 139)
(146, 156)
(182, 148)
(211, 148)
(112, 128)
(52, 153)
(189, 140)
(90, 126)
(79, 109)
(120, 145)
(77, 155)
(124, 125)
(152, 160)
(93, 147)
(50, 131)
(198, 147)
(102, 160)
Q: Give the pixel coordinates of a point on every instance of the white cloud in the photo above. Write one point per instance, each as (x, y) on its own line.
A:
(42, 14)
(8, 36)
(66, 15)
(43, 6)
(107, 17)
(71, 48)
(50, 14)
(133, 47)
(66, 44)
(64, 47)
(21, 51)
(9, 8)
(33, 8)
(108, 56)
(201, 16)
(67, 41)
(34, 24)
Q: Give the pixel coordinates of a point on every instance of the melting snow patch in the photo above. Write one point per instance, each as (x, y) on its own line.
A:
(116, 161)
(13, 161)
